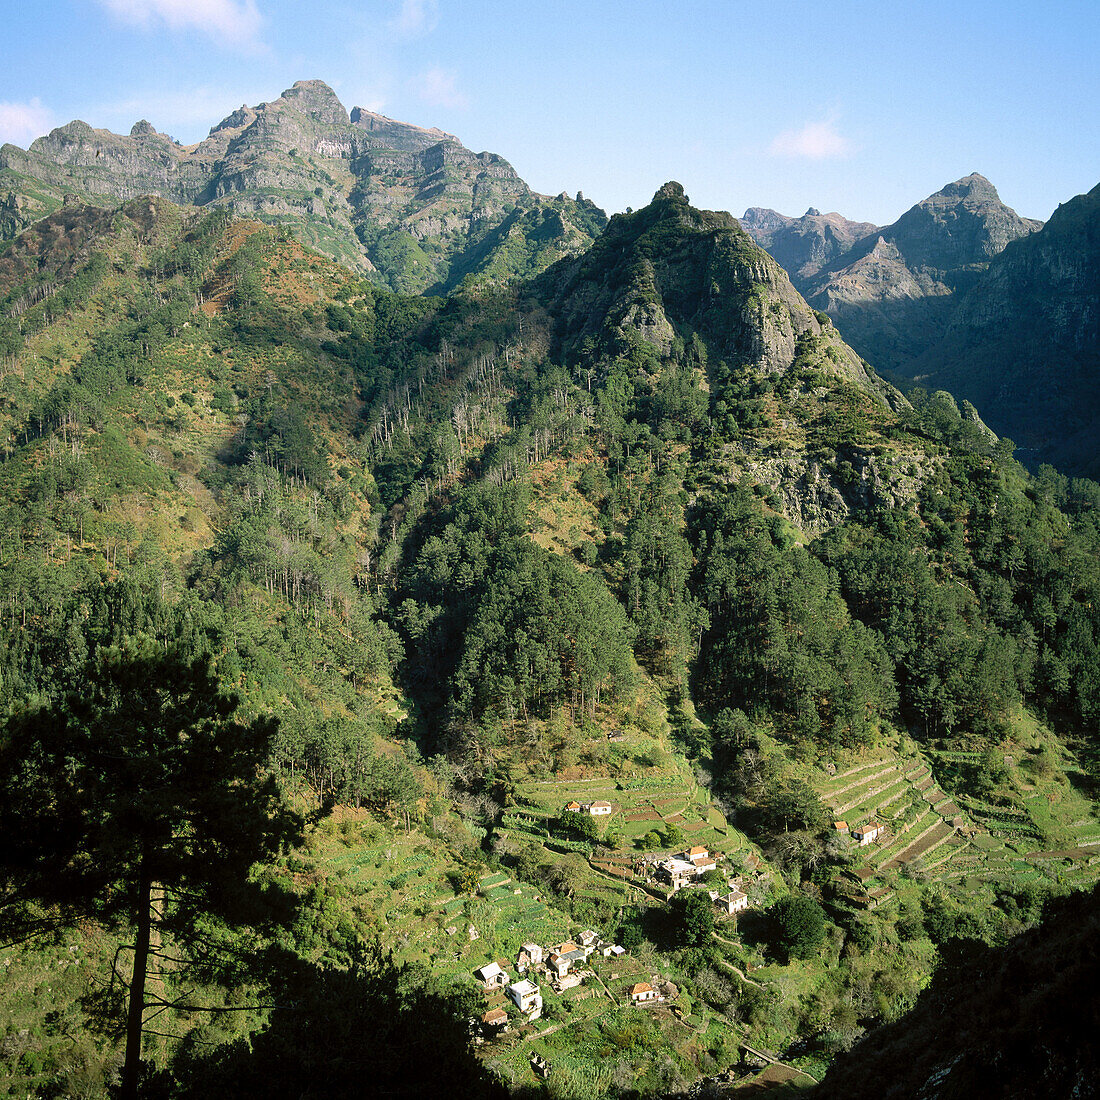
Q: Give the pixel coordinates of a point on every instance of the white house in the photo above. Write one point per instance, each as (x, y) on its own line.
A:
(733, 902)
(526, 997)
(491, 976)
(642, 992)
(599, 809)
(613, 951)
(869, 833)
(530, 954)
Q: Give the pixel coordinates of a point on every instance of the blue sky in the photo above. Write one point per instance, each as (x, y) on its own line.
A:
(853, 106)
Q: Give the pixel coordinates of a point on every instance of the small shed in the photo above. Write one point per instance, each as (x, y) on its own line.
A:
(491, 976)
(495, 1020)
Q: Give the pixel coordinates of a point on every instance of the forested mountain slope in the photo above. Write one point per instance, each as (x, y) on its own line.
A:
(1018, 1020)
(413, 207)
(643, 525)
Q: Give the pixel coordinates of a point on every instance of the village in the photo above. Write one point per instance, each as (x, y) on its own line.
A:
(568, 964)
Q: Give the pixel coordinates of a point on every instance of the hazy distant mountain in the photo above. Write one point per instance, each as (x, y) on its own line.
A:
(1024, 342)
(803, 246)
(893, 292)
(413, 206)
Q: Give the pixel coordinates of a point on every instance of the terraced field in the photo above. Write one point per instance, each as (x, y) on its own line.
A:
(922, 824)
(1046, 832)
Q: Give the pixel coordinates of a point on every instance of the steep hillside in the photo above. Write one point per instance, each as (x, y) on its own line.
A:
(412, 206)
(895, 289)
(803, 246)
(1022, 343)
(642, 530)
(1017, 1021)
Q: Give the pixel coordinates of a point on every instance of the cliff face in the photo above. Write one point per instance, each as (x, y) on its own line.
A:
(412, 206)
(893, 292)
(1023, 342)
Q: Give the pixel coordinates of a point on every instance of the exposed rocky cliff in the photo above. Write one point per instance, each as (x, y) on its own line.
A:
(893, 292)
(1024, 342)
(803, 246)
(412, 206)
(670, 270)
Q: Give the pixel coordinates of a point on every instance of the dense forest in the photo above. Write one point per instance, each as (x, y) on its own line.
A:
(293, 567)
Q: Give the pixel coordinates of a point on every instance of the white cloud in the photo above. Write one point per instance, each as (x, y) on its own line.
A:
(814, 141)
(234, 21)
(415, 17)
(21, 123)
(437, 88)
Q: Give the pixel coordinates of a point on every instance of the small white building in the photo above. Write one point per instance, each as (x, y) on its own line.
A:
(733, 902)
(868, 834)
(530, 954)
(599, 809)
(491, 976)
(588, 939)
(642, 992)
(613, 951)
(526, 997)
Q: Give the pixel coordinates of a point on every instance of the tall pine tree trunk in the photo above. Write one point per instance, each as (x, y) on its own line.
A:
(136, 1010)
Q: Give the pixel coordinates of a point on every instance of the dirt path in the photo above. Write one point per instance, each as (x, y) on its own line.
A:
(777, 1062)
(736, 969)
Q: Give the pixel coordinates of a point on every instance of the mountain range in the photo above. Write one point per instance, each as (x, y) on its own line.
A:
(627, 518)
(963, 294)
(412, 207)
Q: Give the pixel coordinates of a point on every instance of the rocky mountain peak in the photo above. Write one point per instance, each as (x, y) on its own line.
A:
(813, 212)
(402, 136)
(671, 190)
(316, 99)
(241, 117)
(974, 187)
(671, 268)
(144, 129)
(892, 292)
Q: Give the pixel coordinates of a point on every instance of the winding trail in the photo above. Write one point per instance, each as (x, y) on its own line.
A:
(736, 969)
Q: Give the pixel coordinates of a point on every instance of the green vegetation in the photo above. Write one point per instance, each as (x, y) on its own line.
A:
(482, 557)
